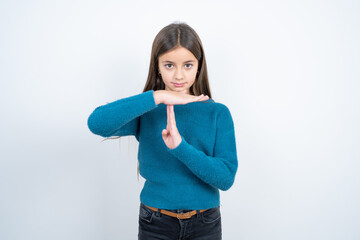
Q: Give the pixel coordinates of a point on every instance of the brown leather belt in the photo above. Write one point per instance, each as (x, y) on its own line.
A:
(177, 215)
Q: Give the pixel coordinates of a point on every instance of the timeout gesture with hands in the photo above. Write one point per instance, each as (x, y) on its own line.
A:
(171, 135)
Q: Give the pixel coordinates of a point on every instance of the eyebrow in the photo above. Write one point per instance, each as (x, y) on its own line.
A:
(173, 62)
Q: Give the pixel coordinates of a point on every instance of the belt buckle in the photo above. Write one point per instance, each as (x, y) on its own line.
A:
(186, 215)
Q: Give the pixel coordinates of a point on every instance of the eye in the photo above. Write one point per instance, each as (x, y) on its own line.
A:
(167, 65)
(188, 64)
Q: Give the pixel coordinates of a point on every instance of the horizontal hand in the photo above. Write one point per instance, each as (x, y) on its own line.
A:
(173, 98)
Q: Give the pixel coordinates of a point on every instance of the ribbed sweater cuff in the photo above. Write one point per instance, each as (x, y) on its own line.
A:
(184, 148)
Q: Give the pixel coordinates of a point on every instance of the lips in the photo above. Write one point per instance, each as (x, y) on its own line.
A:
(178, 84)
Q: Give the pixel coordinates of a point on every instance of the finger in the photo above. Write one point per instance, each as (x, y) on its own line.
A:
(167, 114)
(204, 97)
(164, 132)
(171, 118)
(200, 97)
(168, 110)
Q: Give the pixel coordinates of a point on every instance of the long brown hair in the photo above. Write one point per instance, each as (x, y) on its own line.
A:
(174, 35)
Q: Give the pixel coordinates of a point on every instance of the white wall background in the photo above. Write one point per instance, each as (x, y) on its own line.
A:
(287, 70)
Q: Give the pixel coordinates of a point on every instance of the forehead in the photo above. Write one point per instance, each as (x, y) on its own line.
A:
(180, 55)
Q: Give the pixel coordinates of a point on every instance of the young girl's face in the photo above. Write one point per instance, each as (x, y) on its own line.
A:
(178, 69)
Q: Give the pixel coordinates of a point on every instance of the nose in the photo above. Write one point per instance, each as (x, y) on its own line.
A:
(179, 74)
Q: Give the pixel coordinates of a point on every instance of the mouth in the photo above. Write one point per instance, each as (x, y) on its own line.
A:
(179, 84)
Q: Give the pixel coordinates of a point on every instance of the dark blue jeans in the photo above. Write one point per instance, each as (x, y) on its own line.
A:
(202, 226)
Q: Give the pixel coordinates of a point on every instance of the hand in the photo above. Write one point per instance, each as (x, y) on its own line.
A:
(173, 98)
(171, 135)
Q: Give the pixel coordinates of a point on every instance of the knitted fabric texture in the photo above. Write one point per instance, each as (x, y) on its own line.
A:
(188, 176)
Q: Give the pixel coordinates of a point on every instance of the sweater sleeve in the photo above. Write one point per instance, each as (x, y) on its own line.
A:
(121, 117)
(218, 170)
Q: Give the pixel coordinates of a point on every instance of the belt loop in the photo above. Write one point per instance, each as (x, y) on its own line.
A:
(198, 214)
(158, 212)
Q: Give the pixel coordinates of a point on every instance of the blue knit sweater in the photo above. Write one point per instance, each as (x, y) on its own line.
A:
(188, 176)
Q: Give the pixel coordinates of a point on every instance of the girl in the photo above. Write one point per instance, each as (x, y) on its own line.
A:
(187, 148)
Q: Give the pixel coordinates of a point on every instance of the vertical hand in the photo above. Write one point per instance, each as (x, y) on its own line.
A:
(171, 135)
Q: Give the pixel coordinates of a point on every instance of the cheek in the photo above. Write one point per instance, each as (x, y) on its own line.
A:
(167, 77)
(192, 75)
